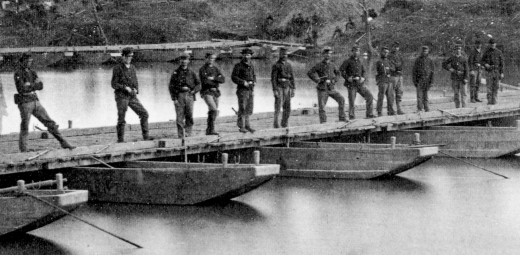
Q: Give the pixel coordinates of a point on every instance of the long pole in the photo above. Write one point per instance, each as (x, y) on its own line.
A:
(80, 219)
(471, 164)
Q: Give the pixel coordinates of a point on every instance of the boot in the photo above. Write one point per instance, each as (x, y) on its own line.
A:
(22, 141)
(144, 130)
(248, 127)
(398, 107)
(240, 124)
(120, 133)
(56, 133)
(212, 115)
(276, 125)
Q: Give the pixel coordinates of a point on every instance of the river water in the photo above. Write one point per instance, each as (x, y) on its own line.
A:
(441, 207)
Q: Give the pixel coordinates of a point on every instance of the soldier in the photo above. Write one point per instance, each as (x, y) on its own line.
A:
(183, 86)
(326, 75)
(396, 73)
(3, 107)
(353, 72)
(422, 77)
(126, 88)
(211, 77)
(493, 62)
(27, 82)
(475, 71)
(282, 79)
(458, 67)
(244, 77)
(384, 83)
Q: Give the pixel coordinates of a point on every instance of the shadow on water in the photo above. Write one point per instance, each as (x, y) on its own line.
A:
(225, 211)
(389, 185)
(29, 244)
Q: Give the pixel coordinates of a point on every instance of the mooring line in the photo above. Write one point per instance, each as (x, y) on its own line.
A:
(471, 164)
(80, 219)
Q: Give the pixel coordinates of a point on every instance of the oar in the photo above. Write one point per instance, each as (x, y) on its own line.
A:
(471, 164)
(80, 219)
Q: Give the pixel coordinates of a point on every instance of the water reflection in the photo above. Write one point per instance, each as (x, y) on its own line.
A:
(29, 244)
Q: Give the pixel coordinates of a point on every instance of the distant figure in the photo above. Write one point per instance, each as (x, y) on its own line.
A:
(210, 78)
(326, 75)
(350, 24)
(244, 77)
(475, 71)
(183, 86)
(3, 107)
(422, 76)
(282, 79)
(396, 73)
(493, 62)
(337, 33)
(353, 72)
(126, 88)
(457, 65)
(27, 82)
(384, 83)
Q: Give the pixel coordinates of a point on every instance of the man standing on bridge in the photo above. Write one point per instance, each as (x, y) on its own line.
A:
(493, 63)
(422, 76)
(475, 71)
(210, 78)
(353, 72)
(384, 83)
(126, 88)
(282, 79)
(397, 61)
(326, 75)
(27, 82)
(244, 77)
(457, 65)
(184, 84)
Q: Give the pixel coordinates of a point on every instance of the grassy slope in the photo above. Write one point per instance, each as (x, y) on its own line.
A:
(438, 23)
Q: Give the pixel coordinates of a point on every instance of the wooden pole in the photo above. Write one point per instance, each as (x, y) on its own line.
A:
(225, 159)
(59, 182)
(80, 219)
(392, 141)
(256, 155)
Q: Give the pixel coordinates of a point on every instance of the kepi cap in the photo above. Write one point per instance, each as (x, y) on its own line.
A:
(492, 41)
(127, 51)
(24, 56)
(247, 51)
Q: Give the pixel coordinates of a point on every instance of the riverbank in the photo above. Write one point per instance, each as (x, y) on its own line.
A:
(412, 23)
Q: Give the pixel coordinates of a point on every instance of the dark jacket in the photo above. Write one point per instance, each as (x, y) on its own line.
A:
(324, 71)
(351, 68)
(422, 71)
(26, 93)
(459, 64)
(182, 81)
(383, 70)
(124, 77)
(243, 72)
(475, 57)
(282, 70)
(397, 62)
(495, 59)
(210, 71)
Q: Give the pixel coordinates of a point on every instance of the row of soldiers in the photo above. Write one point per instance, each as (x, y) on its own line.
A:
(185, 84)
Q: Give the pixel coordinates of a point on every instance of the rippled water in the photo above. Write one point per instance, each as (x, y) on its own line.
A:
(441, 207)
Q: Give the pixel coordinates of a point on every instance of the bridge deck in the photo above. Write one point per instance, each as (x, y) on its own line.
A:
(96, 144)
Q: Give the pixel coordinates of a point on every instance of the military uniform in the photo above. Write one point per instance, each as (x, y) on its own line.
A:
(385, 86)
(26, 83)
(210, 93)
(494, 59)
(123, 77)
(353, 68)
(459, 76)
(320, 74)
(282, 79)
(183, 86)
(244, 73)
(475, 72)
(396, 74)
(422, 76)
